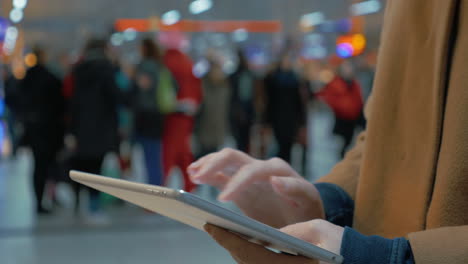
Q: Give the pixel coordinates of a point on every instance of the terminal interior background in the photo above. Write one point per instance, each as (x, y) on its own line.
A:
(315, 29)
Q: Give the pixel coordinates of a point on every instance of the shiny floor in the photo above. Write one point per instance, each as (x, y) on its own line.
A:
(132, 236)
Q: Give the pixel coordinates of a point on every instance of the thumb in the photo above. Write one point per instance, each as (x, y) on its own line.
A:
(303, 231)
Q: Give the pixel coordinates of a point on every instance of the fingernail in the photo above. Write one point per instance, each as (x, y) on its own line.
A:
(194, 164)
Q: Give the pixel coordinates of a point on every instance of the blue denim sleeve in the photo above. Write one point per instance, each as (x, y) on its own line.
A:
(357, 248)
(360, 249)
(338, 205)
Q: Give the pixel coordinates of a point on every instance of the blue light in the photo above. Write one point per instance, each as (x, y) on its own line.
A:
(2, 134)
(3, 28)
(343, 26)
(2, 107)
(312, 19)
(344, 50)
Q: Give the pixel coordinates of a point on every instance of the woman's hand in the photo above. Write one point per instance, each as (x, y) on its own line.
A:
(318, 232)
(268, 191)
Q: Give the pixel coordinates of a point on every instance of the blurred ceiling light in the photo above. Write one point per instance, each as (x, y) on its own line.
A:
(171, 17)
(130, 34)
(30, 60)
(16, 15)
(200, 6)
(10, 39)
(11, 33)
(312, 19)
(366, 7)
(20, 4)
(117, 39)
(240, 35)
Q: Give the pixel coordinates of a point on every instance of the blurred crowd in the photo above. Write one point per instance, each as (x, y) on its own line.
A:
(100, 109)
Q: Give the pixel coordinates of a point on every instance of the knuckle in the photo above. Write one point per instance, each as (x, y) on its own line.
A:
(276, 161)
(248, 168)
(227, 151)
(280, 165)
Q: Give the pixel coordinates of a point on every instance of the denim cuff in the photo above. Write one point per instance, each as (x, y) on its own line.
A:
(357, 248)
(338, 205)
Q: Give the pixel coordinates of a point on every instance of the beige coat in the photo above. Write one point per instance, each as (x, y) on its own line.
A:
(408, 174)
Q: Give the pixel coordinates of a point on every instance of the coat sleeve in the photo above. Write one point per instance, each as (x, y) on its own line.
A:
(441, 245)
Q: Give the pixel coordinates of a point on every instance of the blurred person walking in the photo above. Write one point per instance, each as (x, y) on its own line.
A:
(284, 107)
(365, 74)
(213, 117)
(179, 125)
(242, 103)
(309, 85)
(149, 109)
(41, 107)
(343, 95)
(13, 107)
(94, 104)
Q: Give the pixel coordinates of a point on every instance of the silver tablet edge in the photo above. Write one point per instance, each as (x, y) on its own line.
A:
(303, 247)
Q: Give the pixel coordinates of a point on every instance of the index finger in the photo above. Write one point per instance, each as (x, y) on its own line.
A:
(246, 176)
(253, 172)
(222, 161)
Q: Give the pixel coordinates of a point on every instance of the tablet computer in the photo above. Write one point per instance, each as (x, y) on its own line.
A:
(196, 212)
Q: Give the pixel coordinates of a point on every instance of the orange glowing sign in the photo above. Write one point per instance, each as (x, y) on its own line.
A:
(254, 26)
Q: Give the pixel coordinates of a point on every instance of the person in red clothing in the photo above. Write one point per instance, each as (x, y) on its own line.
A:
(179, 125)
(343, 95)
